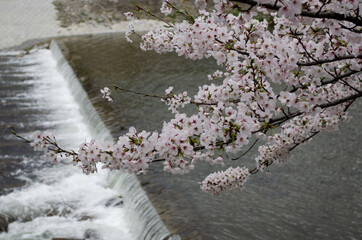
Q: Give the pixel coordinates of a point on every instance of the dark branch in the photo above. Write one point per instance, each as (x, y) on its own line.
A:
(18, 136)
(242, 155)
(329, 15)
(48, 140)
(156, 96)
(333, 15)
(340, 101)
(337, 78)
(139, 8)
(306, 139)
(328, 60)
(352, 29)
(333, 80)
(279, 120)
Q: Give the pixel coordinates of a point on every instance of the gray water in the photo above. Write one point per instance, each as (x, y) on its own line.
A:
(315, 195)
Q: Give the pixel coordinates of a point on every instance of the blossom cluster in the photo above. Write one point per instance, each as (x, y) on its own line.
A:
(133, 152)
(44, 142)
(287, 75)
(106, 93)
(175, 101)
(231, 178)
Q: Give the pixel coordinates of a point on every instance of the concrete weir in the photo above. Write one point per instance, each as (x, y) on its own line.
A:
(40, 92)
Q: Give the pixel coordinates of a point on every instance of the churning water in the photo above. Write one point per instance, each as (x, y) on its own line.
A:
(40, 91)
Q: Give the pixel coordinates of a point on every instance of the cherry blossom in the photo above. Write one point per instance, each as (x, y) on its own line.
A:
(106, 93)
(288, 71)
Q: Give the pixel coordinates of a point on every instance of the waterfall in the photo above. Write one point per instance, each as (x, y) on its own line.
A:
(91, 117)
(141, 215)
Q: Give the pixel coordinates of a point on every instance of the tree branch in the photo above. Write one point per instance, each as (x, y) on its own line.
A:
(317, 62)
(157, 96)
(303, 141)
(328, 15)
(242, 155)
(342, 100)
(53, 143)
(340, 77)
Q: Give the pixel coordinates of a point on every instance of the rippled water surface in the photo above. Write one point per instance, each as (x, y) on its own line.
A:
(315, 195)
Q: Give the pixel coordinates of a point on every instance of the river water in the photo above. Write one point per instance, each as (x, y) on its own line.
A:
(315, 195)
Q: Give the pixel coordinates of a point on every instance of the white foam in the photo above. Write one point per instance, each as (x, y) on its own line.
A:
(56, 197)
(52, 204)
(142, 216)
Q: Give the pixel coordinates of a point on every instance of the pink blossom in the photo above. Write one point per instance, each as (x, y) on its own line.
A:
(278, 81)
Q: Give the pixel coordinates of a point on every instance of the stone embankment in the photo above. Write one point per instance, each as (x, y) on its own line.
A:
(24, 21)
(32, 21)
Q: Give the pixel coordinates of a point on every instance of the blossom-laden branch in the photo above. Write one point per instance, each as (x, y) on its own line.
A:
(338, 58)
(318, 6)
(291, 71)
(46, 143)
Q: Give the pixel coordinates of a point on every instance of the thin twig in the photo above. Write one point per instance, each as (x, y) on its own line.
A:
(18, 136)
(157, 96)
(153, 15)
(306, 139)
(246, 150)
(53, 143)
